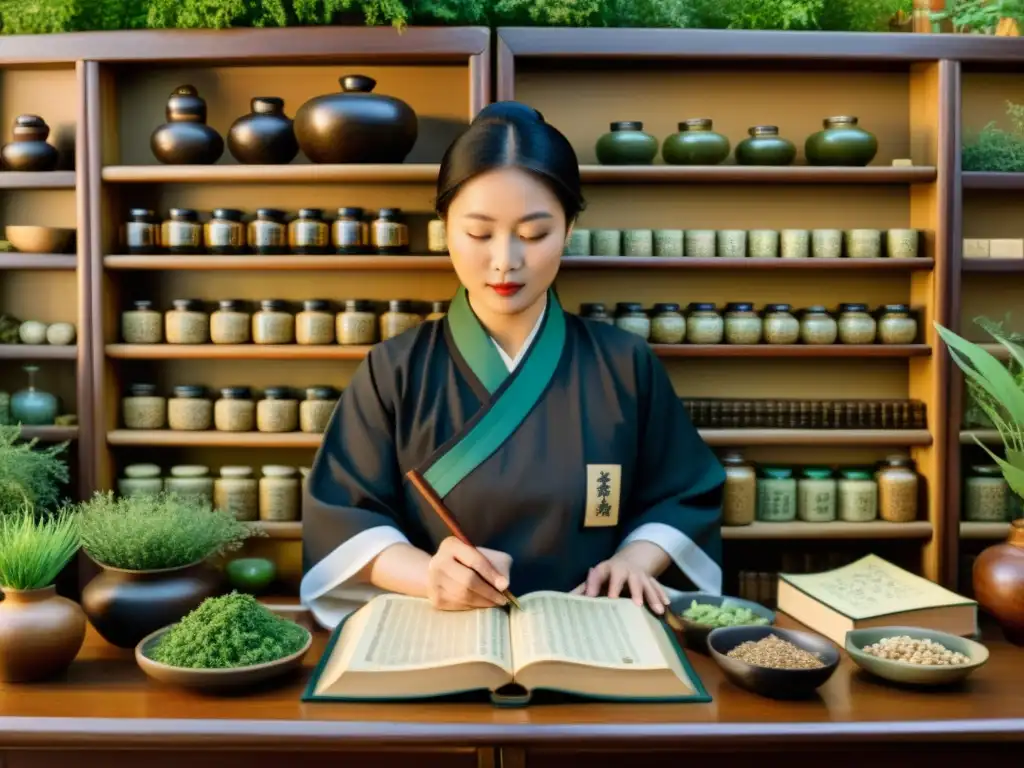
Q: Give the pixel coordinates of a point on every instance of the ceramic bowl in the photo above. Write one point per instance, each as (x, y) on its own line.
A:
(37, 239)
(697, 634)
(215, 680)
(914, 674)
(773, 683)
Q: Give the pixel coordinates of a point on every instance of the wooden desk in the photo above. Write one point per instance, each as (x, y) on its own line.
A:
(107, 713)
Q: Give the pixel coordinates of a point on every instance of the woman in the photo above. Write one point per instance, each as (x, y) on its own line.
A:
(558, 443)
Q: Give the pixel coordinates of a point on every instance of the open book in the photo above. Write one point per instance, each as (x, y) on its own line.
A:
(398, 647)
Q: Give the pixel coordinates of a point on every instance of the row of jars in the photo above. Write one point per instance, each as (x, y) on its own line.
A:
(743, 243)
(740, 323)
(274, 321)
(988, 498)
(274, 497)
(819, 494)
(194, 408)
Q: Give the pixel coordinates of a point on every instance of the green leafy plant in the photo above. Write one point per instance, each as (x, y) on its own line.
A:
(153, 532)
(29, 474)
(995, 149)
(978, 401)
(980, 17)
(34, 550)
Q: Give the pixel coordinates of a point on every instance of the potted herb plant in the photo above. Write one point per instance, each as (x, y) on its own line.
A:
(154, 552)
(29, 474)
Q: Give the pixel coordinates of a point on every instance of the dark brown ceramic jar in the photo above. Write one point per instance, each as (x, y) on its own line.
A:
(186, 139)
(265, 136)
(999, 582)
(28, 150)
(41, 632)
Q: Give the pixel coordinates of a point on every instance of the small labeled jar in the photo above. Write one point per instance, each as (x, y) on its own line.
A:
(776, 495)
(190, 480)
(668, 326)
(739, 498)
(630, 316)
(897, 489)
(140, 480)
(858, 496)
(349, 233)
(230, 323)
(142, 324)
(181, 232)
(437, 237)
(308, 233)
(189, 409)
(816, 495)
(142, 232)
(278, 411)
(273, 323)
(400, 317)
(268, 232)
(704, 325)
(237, 491)
(896, 325)
(235, 410)
(279, 494)
(438, 309)
(986, 495)
(742, 324)
(779, 325)
(817, 326)
(187, 322)
(315, 323)
(316, 409)
(143, 408)
(597, 312)
(389, 235)
(856, 325)
(356, 324)
(225, 232)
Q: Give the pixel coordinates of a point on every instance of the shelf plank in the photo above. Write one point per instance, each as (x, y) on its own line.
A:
(752, 174)
(37, 180)
(38, 261)
(49, 433)
(38, 352)
(286, 531)
(308, 173)
(992, 265)
(992, 180)
(875, 529)
(984, 531)
(987, 436)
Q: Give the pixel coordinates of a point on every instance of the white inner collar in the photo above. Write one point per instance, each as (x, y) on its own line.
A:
(513, 363)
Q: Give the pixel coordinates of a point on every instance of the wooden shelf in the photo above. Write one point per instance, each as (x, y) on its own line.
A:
(992, 181)
(49, 433)
(792, 350)
(984, 531)
(876, 529)
(38, 261)
(38, 180)
(987, 436)
(38, 352)
(749, 174)
(286, 531)
(398, 173)
(992, 265)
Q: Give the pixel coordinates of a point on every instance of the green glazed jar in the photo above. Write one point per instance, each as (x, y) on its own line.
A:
(842, 142)
(627, 144)
(765, 147)
(695, 144)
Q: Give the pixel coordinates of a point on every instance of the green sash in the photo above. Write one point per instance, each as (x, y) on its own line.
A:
(513, 404)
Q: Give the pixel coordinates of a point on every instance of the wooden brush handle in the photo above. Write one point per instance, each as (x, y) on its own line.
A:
(435, 501)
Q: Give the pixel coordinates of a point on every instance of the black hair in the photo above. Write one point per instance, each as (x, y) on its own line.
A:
(508, 134)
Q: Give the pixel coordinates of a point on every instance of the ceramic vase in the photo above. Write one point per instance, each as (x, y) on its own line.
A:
(41, 633)
(764, 146)
(33, 406)
(998, 577)
(186, 139)
(28, 149)
(696, 143)
(626, 144)
(841, 142)
(266, 136)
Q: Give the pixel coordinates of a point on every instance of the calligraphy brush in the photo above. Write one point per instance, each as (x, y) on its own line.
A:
(446, 517)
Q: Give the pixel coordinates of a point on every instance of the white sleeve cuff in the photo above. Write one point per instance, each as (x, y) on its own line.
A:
(693, 561)
(328, 590)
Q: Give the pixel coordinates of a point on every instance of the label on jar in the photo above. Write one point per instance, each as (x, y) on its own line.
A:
(349, 233)
(139, 234)
(776, 500)
(225, 234)
(389, 234)
(179, 234)
(305, 234)
(263, 234)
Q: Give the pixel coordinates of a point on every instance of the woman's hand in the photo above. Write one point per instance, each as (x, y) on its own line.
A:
(628, 567)
(460, 577)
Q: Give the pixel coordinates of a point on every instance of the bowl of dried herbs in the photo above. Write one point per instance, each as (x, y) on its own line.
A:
(701, 613)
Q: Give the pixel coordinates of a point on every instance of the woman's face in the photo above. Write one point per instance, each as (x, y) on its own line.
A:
(506, 233)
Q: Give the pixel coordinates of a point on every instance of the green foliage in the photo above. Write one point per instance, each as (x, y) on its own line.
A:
(33, 550)
(759, 14)
(862, 15)
(995, 149)
(153, 532)
(980, 16)
(29, 474)
(979, 403)
(25, 17)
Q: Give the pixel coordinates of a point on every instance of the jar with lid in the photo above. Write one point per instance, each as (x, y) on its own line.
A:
(315, 323)
(896, 325)
(597, 312)
(273, 323)
(143, 408)
(225, 232)
(187, 323)
(237, 491)
(816, 495)
(704, 325)
(668, 326)
(986, 494)
(142, 232)
(268, 232)
(400, 317)
(279, 494)
(817, 326)
(438, 309)
(182, 232)
(742, 324)
(357, 323)
(858, 496)
(235, 410)
(389, 235)
(897, 489)
(190, 409)
(190, 480)
(856, 326)
(229, 324)
(309, 233)
(780, 327)
(349, 232)
(315, 411)
(630, 316)
(142, 324)
(776, 495)
(739, 499)
(278, 411)
(140, 480)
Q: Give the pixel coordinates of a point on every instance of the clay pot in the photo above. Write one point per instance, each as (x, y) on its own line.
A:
(626, 143)
(841, 142)
(265, 136)
(999, 582)
(28, 150)
(696, 143)
(356, 125)
(125, 606)
(186, 139)
(764, 146)
(41, 633)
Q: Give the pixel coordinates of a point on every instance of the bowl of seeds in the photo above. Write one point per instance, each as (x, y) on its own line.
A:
(773, 662)
(913, 655)
(701, 613)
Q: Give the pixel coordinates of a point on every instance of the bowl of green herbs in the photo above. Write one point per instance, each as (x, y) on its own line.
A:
(230, 641)
(701, 613)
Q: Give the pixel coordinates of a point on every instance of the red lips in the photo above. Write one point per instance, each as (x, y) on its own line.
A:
(506, 289)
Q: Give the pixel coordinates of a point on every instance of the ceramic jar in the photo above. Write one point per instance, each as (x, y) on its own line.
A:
(356, 324)
(32, 405)
(400, 317)
(191, 480)
(897, 489)
(237, 491)
(999, 582)
(268, 233)
(143, 408)
(597, 312)
(638, 242)
(142, 324)
(901, 243)
(696, 143)
(224, 233)
(630, 316)
(668, 326)
(699, 243)
(265, 136)
(776, 495)
(826, 243)
(780, 327)
(668, 243)
(731, 243)
(316, 409)
(739, 498)
(141, 234)
(858, 496)
(278, 411)
(986, 494)
(28, 149)
(389, 235)
(606, 242)
(230, 323)
(742, 324)
(189, 410)
(308, 233)
(795, 244)
(279, 494)
(841, 142)
(856, 326)
(187, 323)
(349, 233)
(703, 324)
(41, 633)
(764, 146)
(235, 410)
(356, 125)
(863, 243)
(817, 326)
(181, 232)
(763, 244)
(896, 325)
(273, 323)
(186, 139)
(315, 323)
(626, 144)
(140, 480)
(816, 495)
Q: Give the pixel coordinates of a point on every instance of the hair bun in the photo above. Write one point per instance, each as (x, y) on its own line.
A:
(512, 111)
